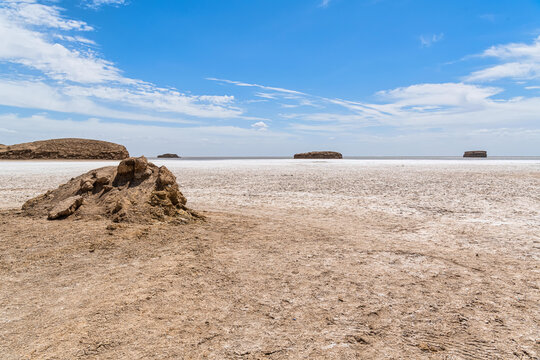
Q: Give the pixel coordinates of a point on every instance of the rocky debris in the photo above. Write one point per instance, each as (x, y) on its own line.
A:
(134, 191)
(65, 207)
(169, 156)
(64, 149)
(475, 154)
(319, 155)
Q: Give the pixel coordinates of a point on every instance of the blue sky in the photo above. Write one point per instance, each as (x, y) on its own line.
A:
(364, 77)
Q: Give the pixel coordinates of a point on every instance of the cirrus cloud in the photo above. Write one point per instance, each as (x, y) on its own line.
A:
(74, 78)
(95, 4)
(520, 61)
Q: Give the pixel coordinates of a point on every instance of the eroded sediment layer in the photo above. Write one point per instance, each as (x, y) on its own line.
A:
(69, 148)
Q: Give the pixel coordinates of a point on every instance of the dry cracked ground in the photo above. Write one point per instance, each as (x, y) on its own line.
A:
(319, 259)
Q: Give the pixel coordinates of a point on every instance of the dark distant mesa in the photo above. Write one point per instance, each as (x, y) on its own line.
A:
(319, 155)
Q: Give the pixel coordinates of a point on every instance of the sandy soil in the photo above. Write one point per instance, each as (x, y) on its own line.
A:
(316, 259)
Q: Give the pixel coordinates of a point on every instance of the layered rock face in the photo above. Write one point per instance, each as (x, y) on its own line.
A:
(134, 191)
(319, 155)
(168, 156)
(475, 154)
(64, 149)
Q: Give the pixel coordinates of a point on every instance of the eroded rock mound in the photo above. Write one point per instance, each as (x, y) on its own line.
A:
(64, 149)
(319, 155)
(133, 191)
(169, 156)
(475, 154)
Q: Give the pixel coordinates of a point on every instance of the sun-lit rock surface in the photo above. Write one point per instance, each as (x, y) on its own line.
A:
(70, 148)
(134, 191)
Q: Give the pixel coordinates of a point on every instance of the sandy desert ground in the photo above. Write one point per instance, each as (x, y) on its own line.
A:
(351, 259)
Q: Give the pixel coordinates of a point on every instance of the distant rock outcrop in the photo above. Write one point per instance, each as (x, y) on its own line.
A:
(168, 156)
(64, 149)
(319, 155)
(475, 154)
(133, 191)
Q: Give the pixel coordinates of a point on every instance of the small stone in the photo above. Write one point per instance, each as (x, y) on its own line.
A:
(87, 185)
(102, 180)
(356, 339)
(65, 208)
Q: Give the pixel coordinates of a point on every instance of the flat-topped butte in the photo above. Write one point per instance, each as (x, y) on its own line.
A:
(475, 154)
(168, 156)
(319, 155)
(69, 148)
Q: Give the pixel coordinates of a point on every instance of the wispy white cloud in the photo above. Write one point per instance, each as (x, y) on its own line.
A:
(106, 102)
(428, 40)
(513, 70)
(76, 79)
(270, 88)
(260, 125)
(160, 100)
(520, 61)
(265, 95)
(95, 4)
(439, 95)
(77, 39)
(147, 139)
(448, 105)
(30, 12)
(27, 29)
(452, 104)
(358, 120)
(31, 49)
(416, 106)
(324, 3)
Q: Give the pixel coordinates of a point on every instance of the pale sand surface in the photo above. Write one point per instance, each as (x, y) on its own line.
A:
(374, 259)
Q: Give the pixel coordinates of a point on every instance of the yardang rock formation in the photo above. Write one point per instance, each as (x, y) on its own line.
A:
(134, 191)
(168, 156)
(70, 148)
(475, 154)
(319, 155)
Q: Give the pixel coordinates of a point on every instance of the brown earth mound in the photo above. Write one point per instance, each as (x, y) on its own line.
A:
(135, 191)
(475, 153)
(319, 155)
(169, 156)
(64, 149)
